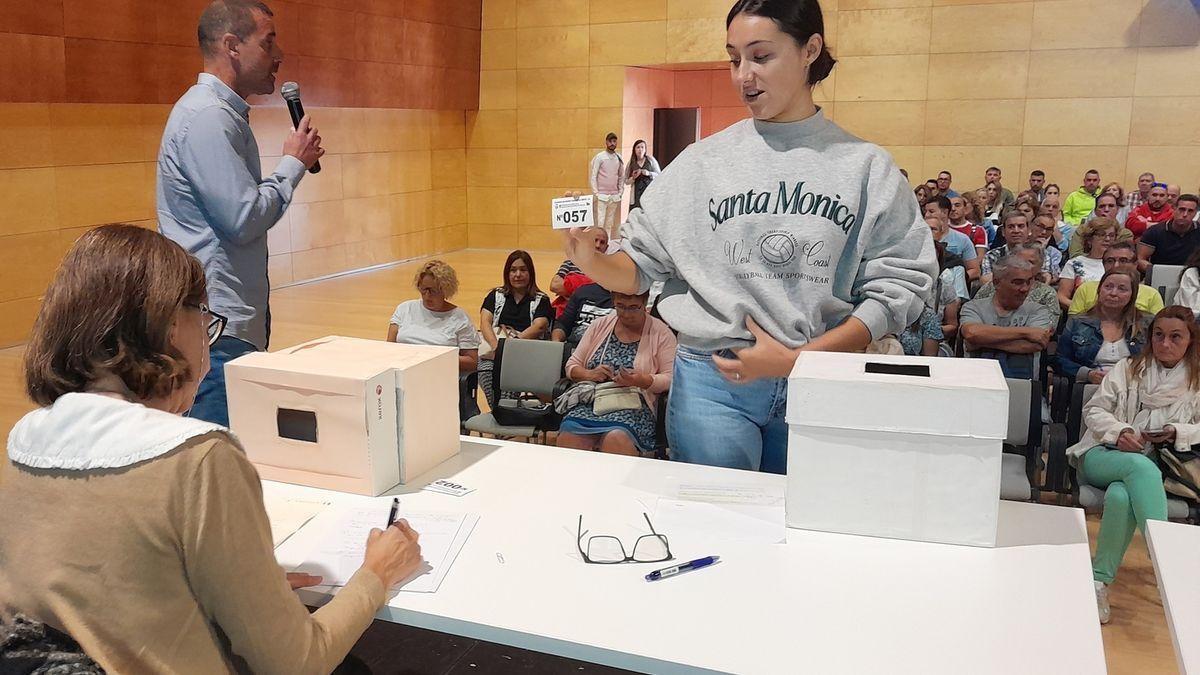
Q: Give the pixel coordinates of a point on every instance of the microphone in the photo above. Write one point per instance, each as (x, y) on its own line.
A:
(291, 93)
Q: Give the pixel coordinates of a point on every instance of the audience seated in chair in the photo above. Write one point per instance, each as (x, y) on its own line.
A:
(1114, 329)
(1041, 293)
(1106, 207)
(1018, 230)
(1147, 400)
(1120, 254)
(1098, 234)
(570, 278)
(628, 348)
(433, 320)
(585, 306)
(1171, 243)
(1009, 327)
(138, 532)
(516, 309)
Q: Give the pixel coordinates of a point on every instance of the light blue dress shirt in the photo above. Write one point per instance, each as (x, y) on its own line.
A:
(213, 201)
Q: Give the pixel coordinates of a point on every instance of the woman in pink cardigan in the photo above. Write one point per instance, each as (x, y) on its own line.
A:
(631, 349)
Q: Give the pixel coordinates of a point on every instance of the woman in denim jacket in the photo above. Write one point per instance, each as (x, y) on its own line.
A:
(1112, 330)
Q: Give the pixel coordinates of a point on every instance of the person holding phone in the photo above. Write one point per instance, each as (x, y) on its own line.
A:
(1146, 400)
(628, 348)
(641, 171)
(780, 234)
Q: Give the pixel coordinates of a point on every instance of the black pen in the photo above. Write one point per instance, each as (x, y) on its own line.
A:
(392, 513)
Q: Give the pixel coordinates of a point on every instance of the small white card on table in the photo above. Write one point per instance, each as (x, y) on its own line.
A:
(448, 487)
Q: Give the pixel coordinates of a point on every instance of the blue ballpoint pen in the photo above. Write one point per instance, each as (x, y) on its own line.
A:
(672, 571)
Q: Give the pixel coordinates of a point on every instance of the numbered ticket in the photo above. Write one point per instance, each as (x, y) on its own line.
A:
(567, 212)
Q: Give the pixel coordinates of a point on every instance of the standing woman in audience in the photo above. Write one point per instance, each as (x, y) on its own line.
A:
(830, 254)
(1098, 234)
(1092, 343)
(433, 319)
(642, 170)
(516, 309)
(140, 533)
(1152, 398)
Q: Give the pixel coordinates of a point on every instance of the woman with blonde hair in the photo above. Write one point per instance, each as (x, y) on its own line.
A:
(1145, 401)
(433, 320)
(1098, 234)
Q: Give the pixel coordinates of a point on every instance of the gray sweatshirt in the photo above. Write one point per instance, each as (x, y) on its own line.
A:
(798, 225)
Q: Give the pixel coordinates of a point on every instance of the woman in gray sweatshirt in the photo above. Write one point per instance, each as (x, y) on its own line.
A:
(780, 234)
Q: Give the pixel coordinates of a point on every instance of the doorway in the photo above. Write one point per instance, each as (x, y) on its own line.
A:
(674, 130)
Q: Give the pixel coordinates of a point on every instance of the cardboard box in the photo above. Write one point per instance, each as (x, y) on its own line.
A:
(346, 414)
(896, 446)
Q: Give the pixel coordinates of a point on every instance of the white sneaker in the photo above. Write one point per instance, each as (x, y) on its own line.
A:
(1102, 602)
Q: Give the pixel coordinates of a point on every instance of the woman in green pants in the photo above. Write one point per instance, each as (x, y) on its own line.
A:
(1152, 398)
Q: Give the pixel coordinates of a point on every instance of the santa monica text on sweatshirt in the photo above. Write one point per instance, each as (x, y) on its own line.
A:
(783, 201)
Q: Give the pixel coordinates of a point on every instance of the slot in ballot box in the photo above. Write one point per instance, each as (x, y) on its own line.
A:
(896, 446)
(346, 414)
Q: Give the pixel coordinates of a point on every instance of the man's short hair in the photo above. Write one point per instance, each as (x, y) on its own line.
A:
(1038, 172)
(1146, 175)
(1014, 212)
(942, 202)
(610, 137)
(948, 174)
(1127, 245)
(1189, 198)
(1090, 172)
(1010, 263)
(228, 16)
(993, 168)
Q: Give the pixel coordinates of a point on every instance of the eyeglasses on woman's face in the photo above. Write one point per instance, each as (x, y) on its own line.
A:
(215, 323)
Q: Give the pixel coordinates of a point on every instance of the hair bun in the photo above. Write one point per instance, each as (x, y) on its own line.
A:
(821, 67)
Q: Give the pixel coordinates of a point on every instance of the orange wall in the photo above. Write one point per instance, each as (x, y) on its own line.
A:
(86, 87)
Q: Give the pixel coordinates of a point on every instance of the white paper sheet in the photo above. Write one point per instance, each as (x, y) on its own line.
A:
(289, 515)
(690, 521)
(726, 492)
(344, 535)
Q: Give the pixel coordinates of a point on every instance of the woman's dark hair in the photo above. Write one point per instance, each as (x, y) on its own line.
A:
(528, 260)
(800, 19)
(629, 168)
(109, 311)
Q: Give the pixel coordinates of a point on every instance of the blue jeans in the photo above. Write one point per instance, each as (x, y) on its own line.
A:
(211, 404)
(719, 423)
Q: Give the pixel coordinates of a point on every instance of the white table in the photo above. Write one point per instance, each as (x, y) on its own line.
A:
(1175, 550)
(822, 602)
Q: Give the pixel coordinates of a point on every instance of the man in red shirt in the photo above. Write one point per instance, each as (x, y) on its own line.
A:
(1156, 210)
(958, 223)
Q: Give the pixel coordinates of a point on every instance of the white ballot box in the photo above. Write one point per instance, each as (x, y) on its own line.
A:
(896, 446)
(346, 414)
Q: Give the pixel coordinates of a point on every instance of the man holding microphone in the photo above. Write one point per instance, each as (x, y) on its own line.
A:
(212, 197)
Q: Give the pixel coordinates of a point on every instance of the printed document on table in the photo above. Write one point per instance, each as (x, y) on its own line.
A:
(344, 537)
(287, 516)
(726, 492)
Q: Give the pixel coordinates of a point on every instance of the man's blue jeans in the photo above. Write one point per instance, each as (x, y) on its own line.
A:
(211, 404)
(719, 423)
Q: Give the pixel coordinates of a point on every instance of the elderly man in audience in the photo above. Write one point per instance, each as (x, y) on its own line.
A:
(1009, 327)
(1082, 201)
(1173, 193)
(1171, 243)
(1017, 230)
(1120, 254)
(1155, 211)
(569, 277)
(937, 215)
(1041, 293)
(1136, 198)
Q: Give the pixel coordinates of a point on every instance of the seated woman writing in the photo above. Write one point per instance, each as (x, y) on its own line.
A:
(1153, 398)
(629, 348)
(1114, 329)
(136, 531)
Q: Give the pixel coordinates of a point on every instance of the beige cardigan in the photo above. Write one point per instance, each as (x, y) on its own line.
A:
(141, 564)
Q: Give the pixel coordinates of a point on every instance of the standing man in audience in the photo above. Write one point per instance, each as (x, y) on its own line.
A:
(1081, 202)
(1171, 243)
(212, 197)
(1037, 183)
(607, 176)
(992, 175)
(1154, 211)
(943, 184)
(1120, 254)
(937, 214)
(1138, 197)
(1008, 327)
(960, 224)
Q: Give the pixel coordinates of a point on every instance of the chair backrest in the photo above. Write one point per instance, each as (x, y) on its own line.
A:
(1165, 276)
(1089, 390)
(530, 365)
(1022, 397)
(1168, 294)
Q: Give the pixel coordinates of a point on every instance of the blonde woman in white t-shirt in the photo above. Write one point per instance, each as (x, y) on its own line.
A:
(433, 320)
(1098, 234)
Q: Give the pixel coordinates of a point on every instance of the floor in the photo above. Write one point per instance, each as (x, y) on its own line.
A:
(359, 305)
